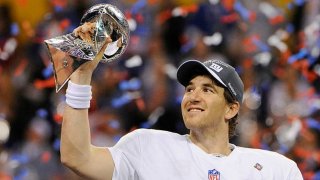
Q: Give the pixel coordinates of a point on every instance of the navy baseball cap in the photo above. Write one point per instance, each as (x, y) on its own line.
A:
(219, 70)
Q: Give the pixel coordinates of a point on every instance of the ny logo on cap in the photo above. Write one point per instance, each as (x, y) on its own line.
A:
(216, 67)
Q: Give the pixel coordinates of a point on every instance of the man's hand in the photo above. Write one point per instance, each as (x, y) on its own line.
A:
(83, 74)
(91, 65)
(85, 31)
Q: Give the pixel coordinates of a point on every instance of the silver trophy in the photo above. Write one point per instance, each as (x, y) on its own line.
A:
(70, 51)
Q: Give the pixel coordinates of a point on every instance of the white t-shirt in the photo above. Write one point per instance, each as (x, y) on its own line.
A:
(146, 154)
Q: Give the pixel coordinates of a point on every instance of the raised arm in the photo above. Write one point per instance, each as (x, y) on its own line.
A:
(77, 152)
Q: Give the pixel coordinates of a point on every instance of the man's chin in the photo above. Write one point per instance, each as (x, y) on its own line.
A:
(192, 124)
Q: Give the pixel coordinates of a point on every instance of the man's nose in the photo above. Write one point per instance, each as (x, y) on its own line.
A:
(195, 95)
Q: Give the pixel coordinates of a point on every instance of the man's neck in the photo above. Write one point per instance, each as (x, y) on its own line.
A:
(213, 143)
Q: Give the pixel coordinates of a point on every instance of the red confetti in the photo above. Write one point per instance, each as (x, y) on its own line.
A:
(60, 3)
(249, 45)
(139, 18)
(21, 67)
(231, 18)
(4, 176)
(128, 14)
(152, 2)
(48, 83)
(247, 64)
(276, 20)
(164, 16)
(65, 23)
(46, 157)
(252, 16)
(140, 104)
(228, 4)
(190, 9)
(58, 118)
(167, 14)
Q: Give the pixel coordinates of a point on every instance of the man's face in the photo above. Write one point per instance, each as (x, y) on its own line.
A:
(203, 105)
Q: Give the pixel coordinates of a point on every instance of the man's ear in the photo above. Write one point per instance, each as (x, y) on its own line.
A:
(232, 110)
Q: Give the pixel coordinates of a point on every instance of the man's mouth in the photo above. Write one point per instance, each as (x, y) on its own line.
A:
(195, 110)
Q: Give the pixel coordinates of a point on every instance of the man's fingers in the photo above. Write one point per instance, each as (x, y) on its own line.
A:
(92, 30)
(76, 31)
(85, 31)
(87, 38)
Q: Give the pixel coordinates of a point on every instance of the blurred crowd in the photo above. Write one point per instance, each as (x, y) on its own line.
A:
(273, 44)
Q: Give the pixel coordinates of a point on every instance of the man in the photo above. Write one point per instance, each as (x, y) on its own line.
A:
(211, 102)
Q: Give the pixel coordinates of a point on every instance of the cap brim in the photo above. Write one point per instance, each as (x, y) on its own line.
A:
(188, 69)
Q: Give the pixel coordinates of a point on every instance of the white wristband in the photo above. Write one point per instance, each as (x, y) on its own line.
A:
(78, 96)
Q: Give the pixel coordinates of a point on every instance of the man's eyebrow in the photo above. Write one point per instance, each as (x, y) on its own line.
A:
(210, 85)
(207, 85)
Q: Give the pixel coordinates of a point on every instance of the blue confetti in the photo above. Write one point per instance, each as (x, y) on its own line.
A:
(43, 113)
(22, 159)
(317, 175)
(290, 6)
(145, 125)
(14, 29)
(283, 149)
(312, 123)
(133, 84)
(56, 144)
(299, 2)
(244, 13)
(121, 101)
(114, 124)
(263, 47)
(137, 6)
(187, 47)
(178, 99)
(301, 54)
(117, 138)
(48, 71)
(58, 9)
(22, 174)
(290, 28)
(265, 146)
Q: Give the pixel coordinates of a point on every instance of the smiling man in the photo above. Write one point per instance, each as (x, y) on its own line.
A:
(210, 106)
